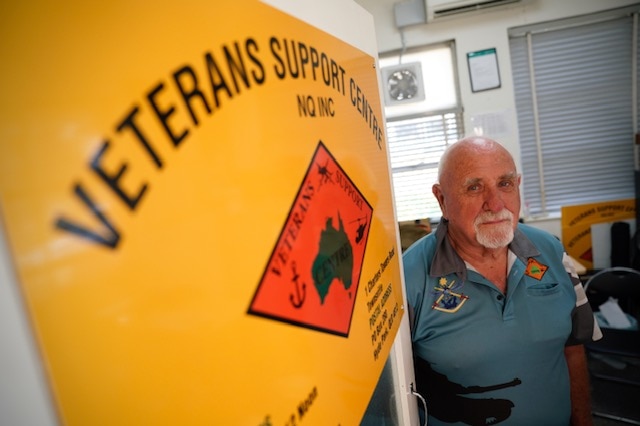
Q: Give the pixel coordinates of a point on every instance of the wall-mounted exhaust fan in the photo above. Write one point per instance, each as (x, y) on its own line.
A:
(403, 84)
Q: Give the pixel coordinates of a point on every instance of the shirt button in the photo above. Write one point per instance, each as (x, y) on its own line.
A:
(500, 297)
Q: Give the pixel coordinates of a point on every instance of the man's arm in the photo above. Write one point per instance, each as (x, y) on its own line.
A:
(580, 391)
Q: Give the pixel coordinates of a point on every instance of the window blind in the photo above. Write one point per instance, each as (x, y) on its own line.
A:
(576, 81)
(415, 147)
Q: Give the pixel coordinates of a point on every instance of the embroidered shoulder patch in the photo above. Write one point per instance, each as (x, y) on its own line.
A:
(449, 299)
(535, 269)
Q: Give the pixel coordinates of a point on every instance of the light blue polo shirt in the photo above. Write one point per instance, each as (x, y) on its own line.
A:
(487, 358)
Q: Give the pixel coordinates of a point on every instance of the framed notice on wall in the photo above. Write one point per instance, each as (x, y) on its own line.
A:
(483, 70)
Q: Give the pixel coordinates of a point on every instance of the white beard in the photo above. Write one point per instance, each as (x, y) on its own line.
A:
(497, 236)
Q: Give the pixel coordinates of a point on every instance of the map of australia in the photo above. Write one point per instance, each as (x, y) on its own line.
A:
(334, 259)
(312, 277)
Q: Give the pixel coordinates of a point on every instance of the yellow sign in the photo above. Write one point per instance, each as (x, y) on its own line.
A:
(606, 211)
(197, 199)
(577, 220)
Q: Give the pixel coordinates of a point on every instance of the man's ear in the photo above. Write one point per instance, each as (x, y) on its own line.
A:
(437, 192)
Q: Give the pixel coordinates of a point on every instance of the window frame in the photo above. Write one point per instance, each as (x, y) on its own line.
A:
(414, 200)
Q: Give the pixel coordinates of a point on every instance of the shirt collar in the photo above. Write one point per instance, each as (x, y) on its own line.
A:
(447, 261)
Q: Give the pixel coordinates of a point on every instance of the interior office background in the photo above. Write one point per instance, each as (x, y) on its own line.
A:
(576, 25)
(489, 28)
(584, 54)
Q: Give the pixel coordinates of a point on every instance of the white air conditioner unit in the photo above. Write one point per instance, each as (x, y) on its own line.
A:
(437, 9)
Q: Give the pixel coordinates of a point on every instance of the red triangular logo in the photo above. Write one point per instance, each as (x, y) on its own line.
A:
(312, 276)
(587, 255)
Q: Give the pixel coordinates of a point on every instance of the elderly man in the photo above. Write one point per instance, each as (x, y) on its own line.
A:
(497, 312)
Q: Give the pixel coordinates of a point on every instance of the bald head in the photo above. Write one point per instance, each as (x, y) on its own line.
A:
(464, 153)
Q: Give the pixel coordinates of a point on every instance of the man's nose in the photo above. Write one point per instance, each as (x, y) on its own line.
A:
(493, 200)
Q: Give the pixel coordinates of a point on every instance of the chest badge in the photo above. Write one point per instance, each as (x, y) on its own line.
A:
(449, 299)
(535, 269)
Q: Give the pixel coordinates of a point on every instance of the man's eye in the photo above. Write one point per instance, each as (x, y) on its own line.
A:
(473, 187)
(506, 183)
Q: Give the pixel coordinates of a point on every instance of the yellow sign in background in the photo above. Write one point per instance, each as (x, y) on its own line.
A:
(577, 221)
(149, 161)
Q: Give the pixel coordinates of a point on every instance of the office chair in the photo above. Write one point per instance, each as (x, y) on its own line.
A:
(623, 284)
(618, 348)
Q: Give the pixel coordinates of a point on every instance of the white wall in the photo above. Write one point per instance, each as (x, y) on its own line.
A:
(478, 31)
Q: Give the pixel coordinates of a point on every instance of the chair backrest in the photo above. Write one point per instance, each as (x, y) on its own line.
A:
(616, 281)
(623, 284)
(621, 244)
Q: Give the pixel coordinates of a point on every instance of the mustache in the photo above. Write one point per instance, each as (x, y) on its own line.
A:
(490, 216)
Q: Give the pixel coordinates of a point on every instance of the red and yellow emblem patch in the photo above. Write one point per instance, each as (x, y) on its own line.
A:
(535, 269)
